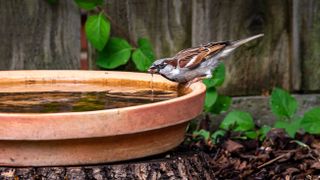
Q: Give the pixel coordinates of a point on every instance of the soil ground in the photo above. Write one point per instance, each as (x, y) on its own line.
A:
(277, 157)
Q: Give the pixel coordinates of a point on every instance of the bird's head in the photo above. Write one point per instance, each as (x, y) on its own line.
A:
(160, 66)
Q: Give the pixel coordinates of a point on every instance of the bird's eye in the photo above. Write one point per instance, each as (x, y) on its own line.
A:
(162, 66)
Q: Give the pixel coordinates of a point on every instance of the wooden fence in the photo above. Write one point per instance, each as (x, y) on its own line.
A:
(36, 35)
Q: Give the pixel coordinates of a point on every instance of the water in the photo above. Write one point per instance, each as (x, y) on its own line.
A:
(66, 101)
(152, 93)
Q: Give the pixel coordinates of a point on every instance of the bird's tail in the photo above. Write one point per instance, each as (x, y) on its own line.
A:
(228, 50)
(238, 43)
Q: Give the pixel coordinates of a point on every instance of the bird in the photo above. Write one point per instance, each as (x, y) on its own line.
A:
(197, 63)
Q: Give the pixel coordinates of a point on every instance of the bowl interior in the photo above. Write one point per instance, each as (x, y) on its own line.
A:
(77, 91)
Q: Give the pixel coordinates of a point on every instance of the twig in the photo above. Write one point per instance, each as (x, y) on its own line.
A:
(217, 153)
(244, 156)
(288, 154)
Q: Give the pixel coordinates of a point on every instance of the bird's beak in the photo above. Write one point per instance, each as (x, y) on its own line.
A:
(153, 70)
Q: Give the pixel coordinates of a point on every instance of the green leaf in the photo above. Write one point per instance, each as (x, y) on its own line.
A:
(211, 97)
(311, 121)
(192, 126)
(216, 135)
(88, 4)
(263, 131)
(251, 134)
(283, 104)
(146, 47)
(141, 61)
(222, 104)
(202, 133)
(116, 53)
(218, 76)
(143, 56)
(97, 29)
(290, 127)
(237, 121)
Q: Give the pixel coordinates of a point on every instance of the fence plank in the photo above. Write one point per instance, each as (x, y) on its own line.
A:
(166, 23)
(309, 28)
(260, 65)
(38, 35)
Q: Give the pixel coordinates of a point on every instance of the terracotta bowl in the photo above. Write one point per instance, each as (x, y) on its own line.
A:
(75, 138)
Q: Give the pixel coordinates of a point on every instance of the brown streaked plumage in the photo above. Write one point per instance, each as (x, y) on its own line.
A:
(196, 63)
(199, 54)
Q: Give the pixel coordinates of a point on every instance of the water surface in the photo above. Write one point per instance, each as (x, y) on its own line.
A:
(66, 98)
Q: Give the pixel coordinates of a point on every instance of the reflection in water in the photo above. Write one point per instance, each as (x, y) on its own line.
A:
(63, 101)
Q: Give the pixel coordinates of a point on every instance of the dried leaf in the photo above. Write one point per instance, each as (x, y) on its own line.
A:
(291, 171)
(232, 146)
(316, 165)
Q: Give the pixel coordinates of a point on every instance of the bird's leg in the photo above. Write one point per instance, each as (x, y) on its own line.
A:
(198, 79)
(187, 84)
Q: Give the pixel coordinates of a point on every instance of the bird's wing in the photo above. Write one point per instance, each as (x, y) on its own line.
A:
(192, 57)
(186, 55)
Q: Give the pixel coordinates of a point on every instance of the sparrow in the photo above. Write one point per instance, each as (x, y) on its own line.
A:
(197, 63)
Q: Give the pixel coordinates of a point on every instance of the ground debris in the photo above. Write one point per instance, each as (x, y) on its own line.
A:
(232, 146)
(277, 157)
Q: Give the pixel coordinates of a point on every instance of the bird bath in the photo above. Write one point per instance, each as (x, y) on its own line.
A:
(50, 118)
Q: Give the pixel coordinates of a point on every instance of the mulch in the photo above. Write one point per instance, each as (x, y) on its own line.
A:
(277, 157)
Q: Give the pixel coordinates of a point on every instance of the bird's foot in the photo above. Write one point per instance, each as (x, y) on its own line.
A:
(188, 84)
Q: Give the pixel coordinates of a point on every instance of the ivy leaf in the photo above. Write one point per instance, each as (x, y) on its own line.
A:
(311, 121)
(202, 133)
(218, 76)
(222, 104)
(283, 104)
(216, 135)
(192, 126)
(116, 53)
(251, 134)
(88, 4)
(263, 131)
(97, 30)
(141, 61)
(290, 127)
(211, 97)
(237, 121)
(144, 55)
(146, 48)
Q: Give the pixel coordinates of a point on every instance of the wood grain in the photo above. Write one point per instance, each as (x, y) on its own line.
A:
(38, 35)
(175, 25)
(193, 165)
(166, 23)
(309, 28)
(259, 65)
